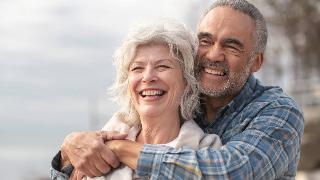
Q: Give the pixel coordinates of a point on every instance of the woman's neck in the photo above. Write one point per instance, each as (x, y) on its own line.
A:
(160, 130)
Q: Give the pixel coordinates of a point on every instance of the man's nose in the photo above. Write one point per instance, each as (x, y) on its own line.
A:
(215, 53)
(149, 75)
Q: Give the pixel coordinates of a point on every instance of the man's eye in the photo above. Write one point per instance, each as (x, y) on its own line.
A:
(204, 42)
(233, 49)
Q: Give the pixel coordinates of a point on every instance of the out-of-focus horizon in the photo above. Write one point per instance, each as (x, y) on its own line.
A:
(56, 66)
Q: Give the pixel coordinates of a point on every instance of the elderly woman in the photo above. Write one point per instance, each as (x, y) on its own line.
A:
(157, 91)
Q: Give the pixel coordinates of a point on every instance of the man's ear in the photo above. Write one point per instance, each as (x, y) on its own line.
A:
(257, 63)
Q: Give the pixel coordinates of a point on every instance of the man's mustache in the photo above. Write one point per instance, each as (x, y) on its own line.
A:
(203, 63)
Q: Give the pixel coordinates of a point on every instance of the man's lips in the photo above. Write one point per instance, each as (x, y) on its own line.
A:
(216, 72)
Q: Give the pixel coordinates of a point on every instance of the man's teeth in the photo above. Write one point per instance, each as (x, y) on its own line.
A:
(152, 93)
(214, 72)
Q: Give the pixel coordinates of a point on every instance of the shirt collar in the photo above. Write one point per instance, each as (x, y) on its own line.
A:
(237, 102)
(245, 95)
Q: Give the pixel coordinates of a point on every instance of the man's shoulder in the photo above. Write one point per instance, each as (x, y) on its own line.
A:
(272, 101)
(274, 96)
(273, 105)
(255, 97)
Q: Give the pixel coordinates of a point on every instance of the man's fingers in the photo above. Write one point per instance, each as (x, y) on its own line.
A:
(73, 175)
(112, 135)
(94, 170)
(110, 157)
(79, 175)
(87, 168)
(101, 165)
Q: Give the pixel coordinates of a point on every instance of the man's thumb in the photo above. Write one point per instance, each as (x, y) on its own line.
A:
(112, 135)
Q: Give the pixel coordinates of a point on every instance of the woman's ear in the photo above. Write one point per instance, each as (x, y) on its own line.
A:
(257, 63)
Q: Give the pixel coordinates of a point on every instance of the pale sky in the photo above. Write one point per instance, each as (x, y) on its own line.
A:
(55, 55)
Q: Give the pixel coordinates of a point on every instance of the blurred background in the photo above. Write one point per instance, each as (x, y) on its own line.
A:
(56, 65)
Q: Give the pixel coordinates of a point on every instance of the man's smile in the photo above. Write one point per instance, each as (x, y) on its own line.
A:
(214, 71)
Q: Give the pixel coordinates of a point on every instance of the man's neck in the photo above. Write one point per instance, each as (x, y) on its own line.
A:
(213, 105)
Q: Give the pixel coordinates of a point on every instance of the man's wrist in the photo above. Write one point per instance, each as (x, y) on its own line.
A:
(64, 161)
(65, 167)
(127, 151)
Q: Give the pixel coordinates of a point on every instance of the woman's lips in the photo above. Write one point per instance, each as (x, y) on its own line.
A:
(151, 93)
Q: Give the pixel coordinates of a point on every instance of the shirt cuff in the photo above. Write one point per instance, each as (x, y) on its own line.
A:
(150, 160)
(56, 161)
(57, 175)
(56, 165)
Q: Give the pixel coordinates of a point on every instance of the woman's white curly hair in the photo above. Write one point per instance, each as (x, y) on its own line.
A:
(183, 46)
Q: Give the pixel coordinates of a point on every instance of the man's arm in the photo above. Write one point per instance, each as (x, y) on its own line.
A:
(263, 150)
(87, 152)
(127, 151)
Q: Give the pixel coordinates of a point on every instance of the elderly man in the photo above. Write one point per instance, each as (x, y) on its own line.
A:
(260, 126)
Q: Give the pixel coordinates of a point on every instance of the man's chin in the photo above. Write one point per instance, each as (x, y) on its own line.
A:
(216, 93)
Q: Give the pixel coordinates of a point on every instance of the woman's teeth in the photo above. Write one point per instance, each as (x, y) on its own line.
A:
(152, 93)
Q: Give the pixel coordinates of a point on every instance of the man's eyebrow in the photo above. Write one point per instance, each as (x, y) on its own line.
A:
(233, 41)
(204, 34)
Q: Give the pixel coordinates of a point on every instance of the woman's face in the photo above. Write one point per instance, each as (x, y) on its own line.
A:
(156, 83)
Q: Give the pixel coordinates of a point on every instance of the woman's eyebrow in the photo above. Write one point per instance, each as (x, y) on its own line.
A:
(171, 61)
(137, 62)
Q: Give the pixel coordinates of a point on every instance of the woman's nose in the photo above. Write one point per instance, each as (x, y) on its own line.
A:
(149, 75)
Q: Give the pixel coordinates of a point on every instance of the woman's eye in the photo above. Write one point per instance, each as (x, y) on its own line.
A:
(163, 67)
(137, 68)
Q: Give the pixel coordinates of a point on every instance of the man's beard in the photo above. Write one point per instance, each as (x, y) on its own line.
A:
(234, 83)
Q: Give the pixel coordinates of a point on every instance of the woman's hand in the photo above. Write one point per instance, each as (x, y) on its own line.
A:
(87, 152)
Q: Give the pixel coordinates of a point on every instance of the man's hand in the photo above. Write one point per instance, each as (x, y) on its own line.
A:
(76, 175)
(87, 152)
(127, 151)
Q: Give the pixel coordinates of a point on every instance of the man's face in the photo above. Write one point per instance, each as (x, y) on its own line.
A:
(226, 43)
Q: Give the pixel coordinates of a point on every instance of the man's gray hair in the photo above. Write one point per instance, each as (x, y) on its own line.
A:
(182, 44)
(247, 8)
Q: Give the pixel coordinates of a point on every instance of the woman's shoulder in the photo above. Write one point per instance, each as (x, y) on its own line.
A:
(192, 136)
(118, 122)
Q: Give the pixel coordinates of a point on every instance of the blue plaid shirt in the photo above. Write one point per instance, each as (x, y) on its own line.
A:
(260, 129)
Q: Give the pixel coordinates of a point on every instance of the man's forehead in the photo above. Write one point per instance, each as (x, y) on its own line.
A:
(227, 21)
(226, 15)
